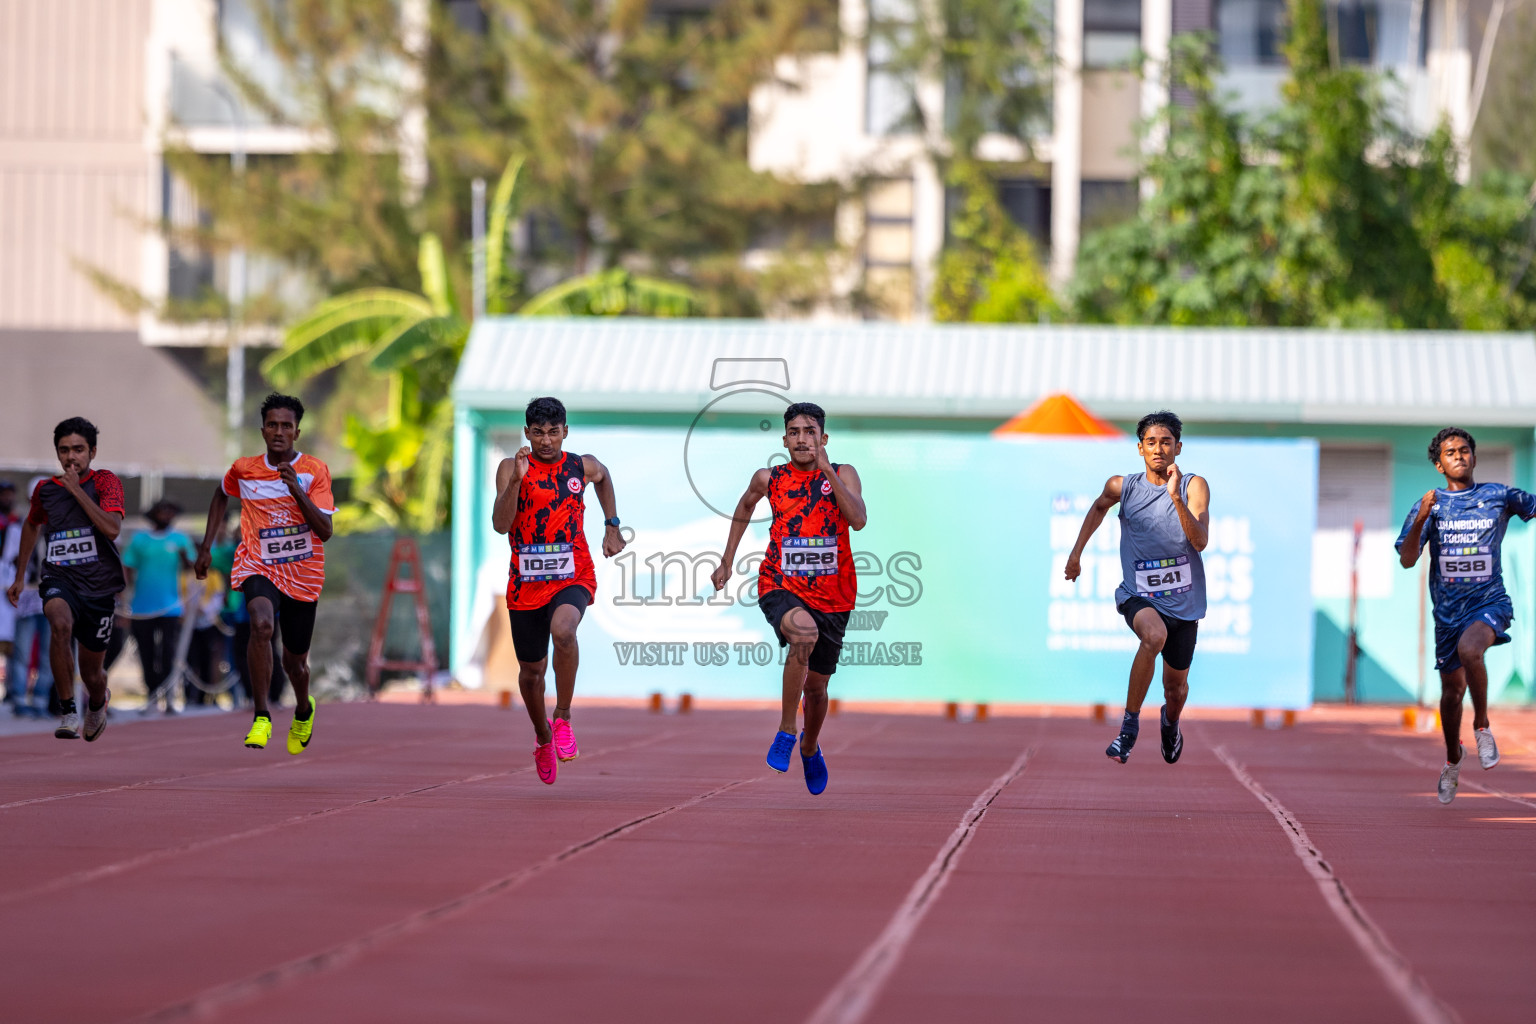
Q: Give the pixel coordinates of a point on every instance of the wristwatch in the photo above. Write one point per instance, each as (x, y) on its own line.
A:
(611, 522)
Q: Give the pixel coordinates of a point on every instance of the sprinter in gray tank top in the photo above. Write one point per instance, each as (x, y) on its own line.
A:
(1164, 519)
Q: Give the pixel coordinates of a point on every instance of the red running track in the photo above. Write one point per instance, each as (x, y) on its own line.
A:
(409, 867)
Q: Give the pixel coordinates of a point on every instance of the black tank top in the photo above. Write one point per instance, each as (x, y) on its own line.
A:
(74, 551)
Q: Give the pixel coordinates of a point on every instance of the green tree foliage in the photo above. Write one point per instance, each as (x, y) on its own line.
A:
(994, 61)
(414, 341)
(1324, 214)
(988, 273)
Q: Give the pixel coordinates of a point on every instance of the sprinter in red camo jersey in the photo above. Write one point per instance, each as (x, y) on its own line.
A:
(806, 585)
(539, 507)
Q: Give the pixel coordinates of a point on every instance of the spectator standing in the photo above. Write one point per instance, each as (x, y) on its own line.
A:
(154, 561)
(33, 637)
(7, 574)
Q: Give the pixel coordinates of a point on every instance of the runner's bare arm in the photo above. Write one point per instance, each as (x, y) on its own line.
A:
(1195, 516)
(602, 484)
(1413, 544)
(1106, 500)
(319, 522)
(848, 489)
(109, 523)
(509, 479)
(216, 510)
(739, 520)
(23, 556)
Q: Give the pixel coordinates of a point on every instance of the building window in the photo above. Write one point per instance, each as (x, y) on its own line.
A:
(888, 245)
(1028, 203)
(890, 105)
(1251, 33)
(1105, 203)
(1354, 482)
(1111, 32)
(1379, 33)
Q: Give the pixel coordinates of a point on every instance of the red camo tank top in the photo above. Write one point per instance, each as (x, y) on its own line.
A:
(549, 545)
(808, 550)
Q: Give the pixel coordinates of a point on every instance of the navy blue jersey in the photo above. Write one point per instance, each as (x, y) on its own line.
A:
(1464, 532)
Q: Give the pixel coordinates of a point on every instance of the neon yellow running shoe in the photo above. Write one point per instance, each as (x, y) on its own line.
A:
(299, 732)
(261, 731)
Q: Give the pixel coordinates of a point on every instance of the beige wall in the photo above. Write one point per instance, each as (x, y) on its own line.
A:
(75, 175)
(1111, 107)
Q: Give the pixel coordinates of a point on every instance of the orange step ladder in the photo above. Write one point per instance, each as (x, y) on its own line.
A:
(404, 551)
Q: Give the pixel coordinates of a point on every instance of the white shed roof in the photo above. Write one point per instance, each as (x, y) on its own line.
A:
(1205, 374)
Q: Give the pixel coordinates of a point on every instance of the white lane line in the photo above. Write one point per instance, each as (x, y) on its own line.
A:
(854, 996)
(1468, 760)
(1410, 988)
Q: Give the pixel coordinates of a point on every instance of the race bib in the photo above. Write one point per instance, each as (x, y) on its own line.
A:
(1466, 564)
(281, 544)
(808, 556)
(71, 547)
(1160, 577)
(547, 561)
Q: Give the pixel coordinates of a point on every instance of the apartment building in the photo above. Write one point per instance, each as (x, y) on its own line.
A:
(837, 116)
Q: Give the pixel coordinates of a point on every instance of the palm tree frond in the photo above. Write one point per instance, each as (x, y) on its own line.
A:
(338, 329)
(415, 339)
(434, 275)
(505, 205)
(613, 293)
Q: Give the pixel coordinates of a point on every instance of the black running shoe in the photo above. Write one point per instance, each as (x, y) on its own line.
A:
(1120, 748)
(1173, 739)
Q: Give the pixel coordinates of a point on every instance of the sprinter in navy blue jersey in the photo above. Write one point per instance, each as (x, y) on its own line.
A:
(1463, 524)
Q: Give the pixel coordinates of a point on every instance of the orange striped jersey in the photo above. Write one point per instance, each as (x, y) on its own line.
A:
(275, 541)
(808, 551)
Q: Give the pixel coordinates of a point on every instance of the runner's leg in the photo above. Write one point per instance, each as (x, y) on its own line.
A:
(1475, 641)
(815, 710)
(562, 630)
(93, 672)
(1175, 691)
(61, 640)
(530, 683)
(297, 667)
(1453, 687)
(1150, 630)
(799, 629)
(258, 655)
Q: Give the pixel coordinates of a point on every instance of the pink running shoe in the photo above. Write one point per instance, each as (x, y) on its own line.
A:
(544, 762)
(565, 740)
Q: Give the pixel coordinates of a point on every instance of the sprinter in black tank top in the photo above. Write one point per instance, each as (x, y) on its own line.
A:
(78, 516)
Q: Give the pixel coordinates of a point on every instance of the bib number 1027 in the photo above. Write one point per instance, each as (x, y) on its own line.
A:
(546, 561)
(1459, 564)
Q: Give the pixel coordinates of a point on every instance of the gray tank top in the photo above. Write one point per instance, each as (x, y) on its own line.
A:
(1157, 562)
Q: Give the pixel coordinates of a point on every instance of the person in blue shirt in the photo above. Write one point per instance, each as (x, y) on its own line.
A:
(1463, 524)
(153, 561)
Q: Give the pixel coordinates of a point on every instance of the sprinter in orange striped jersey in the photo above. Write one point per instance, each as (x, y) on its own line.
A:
(285, 520)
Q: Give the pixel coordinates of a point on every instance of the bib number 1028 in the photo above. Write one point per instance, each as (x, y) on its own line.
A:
(546, 561)
(808, 556)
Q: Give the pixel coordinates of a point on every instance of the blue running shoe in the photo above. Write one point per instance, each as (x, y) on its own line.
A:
(1120, 748)
(778, 754)
(1173, 739)
(815, 772)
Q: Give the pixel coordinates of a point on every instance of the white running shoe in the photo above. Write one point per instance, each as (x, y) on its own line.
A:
(69, 727)
(1487, 750)
(1450, 776)
(95, 721)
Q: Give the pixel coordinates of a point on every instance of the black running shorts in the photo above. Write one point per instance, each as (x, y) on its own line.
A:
(1179, 648)
(92, 615)
(829, 628)
(530, 627)
(295, 618)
